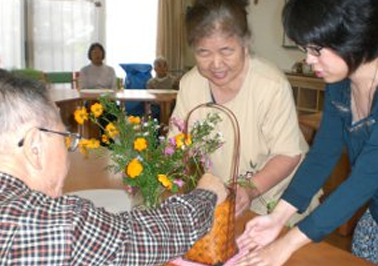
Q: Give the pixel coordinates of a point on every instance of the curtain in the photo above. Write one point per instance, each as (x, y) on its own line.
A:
(60, 33)
(170, 33)
(11, 32)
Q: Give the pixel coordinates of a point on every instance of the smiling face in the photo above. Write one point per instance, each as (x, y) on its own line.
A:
(220, 58)
(328, 65)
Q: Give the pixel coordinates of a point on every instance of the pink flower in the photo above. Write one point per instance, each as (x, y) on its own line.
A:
(178, 123)
(179, 182)
(131, 190)
(172, 141)
(169, 150)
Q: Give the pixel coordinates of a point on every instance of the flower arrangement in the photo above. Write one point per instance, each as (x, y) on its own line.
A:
(152, 164)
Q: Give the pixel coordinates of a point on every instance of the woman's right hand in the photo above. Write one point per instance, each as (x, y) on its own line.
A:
(264, 229)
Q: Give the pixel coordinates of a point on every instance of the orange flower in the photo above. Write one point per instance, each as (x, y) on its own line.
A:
(134, 119)
(93, 143)
(188, 140)
(111, 130)
(83, 147)
(179, 139)
(134, 168)
(81, 115)
(105, 139)
(165, 181)
(97, 109)
(140, 144)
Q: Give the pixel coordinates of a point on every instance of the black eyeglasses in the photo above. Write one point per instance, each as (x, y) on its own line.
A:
(71, 139)
(311, 49)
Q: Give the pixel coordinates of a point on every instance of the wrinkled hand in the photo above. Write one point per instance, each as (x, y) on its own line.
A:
(213, 183)
(243, 201)
(259, 232)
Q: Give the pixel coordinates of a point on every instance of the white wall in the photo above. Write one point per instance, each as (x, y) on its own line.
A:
(267, 33)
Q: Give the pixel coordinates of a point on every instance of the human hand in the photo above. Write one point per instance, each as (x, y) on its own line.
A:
(275, 254)
(259, 232)
(213, 183)
(242, 201)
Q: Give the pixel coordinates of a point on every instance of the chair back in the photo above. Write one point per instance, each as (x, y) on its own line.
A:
(137, 76)
(30, 73)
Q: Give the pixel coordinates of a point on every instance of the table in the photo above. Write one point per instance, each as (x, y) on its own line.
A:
(90, 173)
(165, 98)
(113, 200)
(311, 255)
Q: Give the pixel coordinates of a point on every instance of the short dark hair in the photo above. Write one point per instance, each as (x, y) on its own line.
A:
(207, 16)
(348, 27)
(93, 46)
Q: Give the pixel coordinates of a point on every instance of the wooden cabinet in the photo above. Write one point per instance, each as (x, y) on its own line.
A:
(308, 92)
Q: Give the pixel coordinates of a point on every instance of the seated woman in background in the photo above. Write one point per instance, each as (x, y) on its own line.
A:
(163, 80)
(97, 75)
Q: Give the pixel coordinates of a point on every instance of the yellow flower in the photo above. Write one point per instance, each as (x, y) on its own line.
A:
(134, 119)
(93, 143)
(83, 146)
(105, 139)
(97, 109)
(179, 139)
(111, 130)
(81, 115)
(165, 181)
(134, 168)
(67, 141)
(188, 140)
(140, 144)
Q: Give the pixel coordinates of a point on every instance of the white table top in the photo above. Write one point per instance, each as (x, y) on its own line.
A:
(67, 94)
(113, 200)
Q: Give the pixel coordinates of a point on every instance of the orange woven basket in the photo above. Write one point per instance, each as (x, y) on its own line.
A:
(219, 245)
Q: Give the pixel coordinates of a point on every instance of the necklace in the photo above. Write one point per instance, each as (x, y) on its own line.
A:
(360, 114)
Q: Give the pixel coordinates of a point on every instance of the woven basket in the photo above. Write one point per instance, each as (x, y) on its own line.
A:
(219, 245)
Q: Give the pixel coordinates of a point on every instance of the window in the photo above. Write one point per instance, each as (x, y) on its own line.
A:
(131, 28)
(54, 35)
(11, 32)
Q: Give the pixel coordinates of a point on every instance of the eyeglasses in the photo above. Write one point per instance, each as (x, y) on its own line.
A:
(71, 139)
(311, 49)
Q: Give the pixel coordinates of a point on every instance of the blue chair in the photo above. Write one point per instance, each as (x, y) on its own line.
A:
(137, 76)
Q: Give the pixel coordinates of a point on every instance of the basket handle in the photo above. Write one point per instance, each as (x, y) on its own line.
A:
(236, 129)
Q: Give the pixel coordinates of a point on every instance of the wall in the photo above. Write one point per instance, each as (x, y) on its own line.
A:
(267, 35)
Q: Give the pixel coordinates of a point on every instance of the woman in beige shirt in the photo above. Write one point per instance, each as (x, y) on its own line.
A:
(258, 94)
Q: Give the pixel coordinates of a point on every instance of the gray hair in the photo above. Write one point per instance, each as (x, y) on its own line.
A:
(208, 16)
(24, 103)
(160, 59)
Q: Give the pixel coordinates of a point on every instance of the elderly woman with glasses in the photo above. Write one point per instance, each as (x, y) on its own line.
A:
(340, 38)
(40, 226)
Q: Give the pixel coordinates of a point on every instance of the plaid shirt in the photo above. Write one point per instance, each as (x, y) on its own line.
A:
(36, 230)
